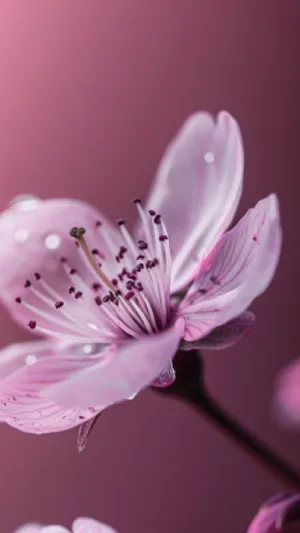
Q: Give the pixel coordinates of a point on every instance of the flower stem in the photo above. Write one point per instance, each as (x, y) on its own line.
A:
(202, 402)
(189, 386)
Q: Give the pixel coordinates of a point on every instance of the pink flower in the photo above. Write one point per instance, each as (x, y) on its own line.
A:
(116, 306)
(287, 400)
(280, 514)
(81, 525)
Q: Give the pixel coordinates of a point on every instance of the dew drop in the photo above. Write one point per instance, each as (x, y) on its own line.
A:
(52, 241)
(209, 157)
(132, 396)
(21, 235)
(30, 359)
(87, 348)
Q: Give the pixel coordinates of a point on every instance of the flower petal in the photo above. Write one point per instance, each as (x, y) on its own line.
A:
(239, 269)
(87, 525)
(197, 189)
(224, 336)
(288, 393)
(29, 528)
(166, 377)
(25, 370)
(34, 240)
(84, 432)
(131, 368)
(54, 529)
(273, 514)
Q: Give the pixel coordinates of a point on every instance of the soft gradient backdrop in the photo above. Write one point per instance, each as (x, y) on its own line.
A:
(91, 91)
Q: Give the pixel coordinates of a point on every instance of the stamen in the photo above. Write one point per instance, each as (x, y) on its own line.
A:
(142, 245)
(60, 304)
(32, 324)
(78, 233)
(78, 294)
(202, 291)
(163, 238)
(129, 295)
(128, 239)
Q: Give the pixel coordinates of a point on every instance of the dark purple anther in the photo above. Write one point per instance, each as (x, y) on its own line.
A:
(78, 294)
(129, 295)
(142, 245)
(163, 238)
(202, 291)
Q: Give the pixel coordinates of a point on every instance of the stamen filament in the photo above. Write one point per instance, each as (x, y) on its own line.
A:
(88, 254)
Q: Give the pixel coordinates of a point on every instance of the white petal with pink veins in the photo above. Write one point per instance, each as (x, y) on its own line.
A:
(197, 189)
(22, 404)
(133, 367)
(237, 271)
(33, 243)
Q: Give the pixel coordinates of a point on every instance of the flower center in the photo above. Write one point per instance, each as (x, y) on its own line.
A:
(131, 281)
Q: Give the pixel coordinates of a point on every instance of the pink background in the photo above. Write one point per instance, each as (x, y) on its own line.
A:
(91, 91)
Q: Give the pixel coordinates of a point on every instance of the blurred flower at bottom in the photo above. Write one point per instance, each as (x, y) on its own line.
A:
(279, 514)
(81, 525)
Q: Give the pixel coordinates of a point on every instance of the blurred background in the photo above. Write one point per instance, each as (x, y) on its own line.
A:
(91, 92)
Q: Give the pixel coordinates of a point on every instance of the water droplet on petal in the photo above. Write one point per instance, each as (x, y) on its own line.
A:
(132, 396)
(21, 235)
(87, 348)
(52, 241)
(30, 360)
(209, 157)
